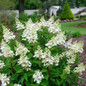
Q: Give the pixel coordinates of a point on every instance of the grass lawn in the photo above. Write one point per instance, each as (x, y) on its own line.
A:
(68, 27)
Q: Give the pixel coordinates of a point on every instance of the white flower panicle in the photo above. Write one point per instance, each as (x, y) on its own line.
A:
(67, 69)
(77, 47)
(7, 34)
(38, 53)
(17, 85)
(24, 62)
(4, 79)
(5, 49)
(1, 64)
(81, 67)
(47, 58)
(30, 33)
(20, 49)
(19, 24)
(1, 54)
(38, 76)
(54, 28)
(59, 39)
(71, 60)
(68, 43)
(56, 60)
(70, 53)
(43, 22)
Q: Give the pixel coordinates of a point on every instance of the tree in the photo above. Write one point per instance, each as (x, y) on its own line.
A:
(21, 6)
(66, 13)
(32, 4)
(6, 4)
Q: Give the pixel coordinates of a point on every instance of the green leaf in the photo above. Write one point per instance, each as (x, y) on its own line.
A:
(44, 70)
(26, 76)
(14, 77)
(21, 80)
(20, 71)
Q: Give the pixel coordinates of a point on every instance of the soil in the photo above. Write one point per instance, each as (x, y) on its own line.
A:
(71, 20)
(82, 55)
(81, 26)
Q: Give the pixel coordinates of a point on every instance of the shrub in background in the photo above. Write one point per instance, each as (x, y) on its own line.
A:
(76, 34)
(66, 13)
(34, 17)
(23, 16)
(59, 12)
(7, 18)
(39, 56)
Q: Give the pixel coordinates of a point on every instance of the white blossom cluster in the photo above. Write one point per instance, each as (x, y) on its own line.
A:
(70, 53)
(1, 64)
(47, 58)
(38, 76)
(59, 39)
(7, 34)
(67, 69)
(4, 79)
(19, 25)
(39, 53)
(24, 62)
(5, 49)
(56, 60)
(20, 49)
(71, 60)
(71, 56)
(30, 33)
(80, 68)
(54, 27)
(17, 85)
(77, 47)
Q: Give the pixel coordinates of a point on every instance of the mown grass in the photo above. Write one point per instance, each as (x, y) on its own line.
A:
(69, 27)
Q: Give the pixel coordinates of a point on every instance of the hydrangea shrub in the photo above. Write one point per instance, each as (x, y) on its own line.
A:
(40, 55)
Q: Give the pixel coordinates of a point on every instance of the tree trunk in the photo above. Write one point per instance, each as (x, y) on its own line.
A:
(21, 6)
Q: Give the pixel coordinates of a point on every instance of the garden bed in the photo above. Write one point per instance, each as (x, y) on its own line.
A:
(83, 25)
(83, 55)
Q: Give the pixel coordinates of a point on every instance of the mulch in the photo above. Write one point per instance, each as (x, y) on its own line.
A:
(82, 55)
(81, 26)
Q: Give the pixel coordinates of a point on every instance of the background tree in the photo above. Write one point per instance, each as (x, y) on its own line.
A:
(21, 6)
(66, 13)
(32, 4)
(6, 4)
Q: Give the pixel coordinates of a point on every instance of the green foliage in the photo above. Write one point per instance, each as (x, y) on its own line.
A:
(7, 18)
(59, 12)
(34, 17)
(76, 34)
(83, 17)
(23, 17)
(32, 4)
(6, 4)
(66, 13)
